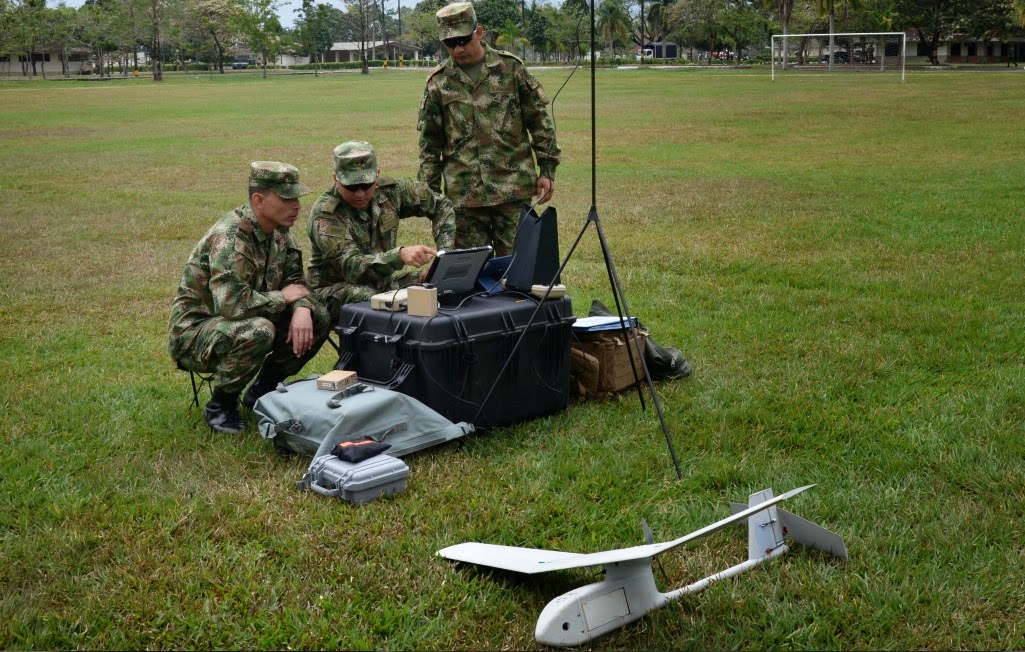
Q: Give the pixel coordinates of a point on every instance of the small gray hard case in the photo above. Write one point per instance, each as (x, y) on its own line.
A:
(356, 483)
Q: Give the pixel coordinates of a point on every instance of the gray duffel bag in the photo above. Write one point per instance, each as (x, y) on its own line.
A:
(302, 418)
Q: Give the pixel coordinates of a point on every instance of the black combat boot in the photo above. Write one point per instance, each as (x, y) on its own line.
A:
(267, 381)
(222, 413)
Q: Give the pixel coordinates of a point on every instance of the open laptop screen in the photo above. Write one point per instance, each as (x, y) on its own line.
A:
(454, 271)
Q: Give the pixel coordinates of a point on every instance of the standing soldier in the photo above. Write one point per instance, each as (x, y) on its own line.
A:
(242, 304)
(482, 125)
(354, 230)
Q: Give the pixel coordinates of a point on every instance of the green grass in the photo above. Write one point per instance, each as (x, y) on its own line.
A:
(840, 258)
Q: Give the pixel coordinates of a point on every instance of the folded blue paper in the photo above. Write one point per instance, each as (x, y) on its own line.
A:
(490, 277)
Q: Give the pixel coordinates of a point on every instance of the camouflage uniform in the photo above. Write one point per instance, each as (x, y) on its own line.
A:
(229, 313)
(481, 138)
(355, 254)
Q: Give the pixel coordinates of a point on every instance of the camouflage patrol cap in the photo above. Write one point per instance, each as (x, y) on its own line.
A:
(355, 163)
(282, 178)
(455, 20)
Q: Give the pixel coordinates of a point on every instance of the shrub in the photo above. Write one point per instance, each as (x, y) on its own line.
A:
(338, 65)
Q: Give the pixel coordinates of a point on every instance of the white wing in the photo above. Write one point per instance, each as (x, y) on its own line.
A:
(520, 560)
(532, 560)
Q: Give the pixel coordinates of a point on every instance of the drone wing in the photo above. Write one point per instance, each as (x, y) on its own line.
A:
(510, 558)
(532, 560)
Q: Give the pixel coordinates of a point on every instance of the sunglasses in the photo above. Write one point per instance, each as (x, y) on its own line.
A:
(357, 187)
(459, 41)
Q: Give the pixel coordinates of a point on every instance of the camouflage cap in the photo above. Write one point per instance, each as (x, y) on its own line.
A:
(355, 163)
(455, 20)
(282, 178)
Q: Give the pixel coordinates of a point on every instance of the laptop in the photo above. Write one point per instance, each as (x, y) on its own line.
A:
(454, 271)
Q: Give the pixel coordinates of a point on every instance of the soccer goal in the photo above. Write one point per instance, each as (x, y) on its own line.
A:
(850, 51)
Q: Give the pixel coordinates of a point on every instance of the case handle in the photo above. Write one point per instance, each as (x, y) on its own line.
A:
(324, 491)
(397, 379)
(336, 400)
(387, 339)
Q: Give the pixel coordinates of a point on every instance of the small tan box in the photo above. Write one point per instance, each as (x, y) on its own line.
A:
(422, 302)
(336, 380)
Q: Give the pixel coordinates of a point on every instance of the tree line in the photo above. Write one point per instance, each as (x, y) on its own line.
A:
(115, 34)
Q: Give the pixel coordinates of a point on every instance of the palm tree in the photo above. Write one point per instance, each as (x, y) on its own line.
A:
(509, 36)
(614, 22)
(786, 10)
(829, 7)
(660, 23)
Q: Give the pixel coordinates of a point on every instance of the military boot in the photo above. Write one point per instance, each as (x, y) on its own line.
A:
(222, 413)
(267, 381)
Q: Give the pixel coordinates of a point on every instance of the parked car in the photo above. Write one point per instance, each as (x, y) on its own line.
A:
(841, 56)
(239, 65)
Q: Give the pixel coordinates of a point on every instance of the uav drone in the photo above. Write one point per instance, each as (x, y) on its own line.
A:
(628, 590)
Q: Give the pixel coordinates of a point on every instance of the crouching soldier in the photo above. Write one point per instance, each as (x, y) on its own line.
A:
(243, 309)
(354, 230)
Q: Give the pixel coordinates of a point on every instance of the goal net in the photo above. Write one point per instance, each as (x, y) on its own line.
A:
(850, 51)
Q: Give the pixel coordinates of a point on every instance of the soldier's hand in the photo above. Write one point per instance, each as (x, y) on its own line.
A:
(300, 331)
(294, 292)
(416, 256)
(545, 189)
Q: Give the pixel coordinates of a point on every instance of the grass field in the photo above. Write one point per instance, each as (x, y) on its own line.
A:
(840, 258)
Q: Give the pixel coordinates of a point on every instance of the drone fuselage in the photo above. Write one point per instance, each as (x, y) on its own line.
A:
(627, 593)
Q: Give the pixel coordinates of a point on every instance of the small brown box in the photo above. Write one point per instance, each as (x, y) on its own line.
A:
(613, 350)
(336, 380)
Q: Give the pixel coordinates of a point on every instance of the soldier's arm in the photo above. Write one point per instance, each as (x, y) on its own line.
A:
(233, 264)
(533, 104)
(293, 271)
(431, 125)
(417, 199)
(347, 260)
(443, 225)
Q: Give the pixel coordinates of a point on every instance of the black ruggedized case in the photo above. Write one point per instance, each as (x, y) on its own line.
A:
(449, 361)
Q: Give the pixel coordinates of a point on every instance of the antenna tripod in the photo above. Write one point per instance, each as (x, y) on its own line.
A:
(622, 309)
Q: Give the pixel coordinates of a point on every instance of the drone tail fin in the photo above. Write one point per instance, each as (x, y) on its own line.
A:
(766, 530)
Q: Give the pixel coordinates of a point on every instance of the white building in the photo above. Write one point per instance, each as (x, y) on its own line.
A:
(343, 51)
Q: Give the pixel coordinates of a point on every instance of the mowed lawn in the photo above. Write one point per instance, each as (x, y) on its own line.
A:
(840, 258)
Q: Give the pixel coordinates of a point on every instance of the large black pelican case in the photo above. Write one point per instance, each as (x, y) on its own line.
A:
(450, 361)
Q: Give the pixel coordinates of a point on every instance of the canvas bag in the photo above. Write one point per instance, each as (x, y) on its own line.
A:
(612, 352)
(662, 361)
(304, 419)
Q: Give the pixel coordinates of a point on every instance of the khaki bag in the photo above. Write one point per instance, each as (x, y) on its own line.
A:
(612, 351)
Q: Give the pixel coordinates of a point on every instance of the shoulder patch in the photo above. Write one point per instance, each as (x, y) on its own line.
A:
(420, 190)
(245, 226)
(505, 53)
(329, 205)
(438, 68)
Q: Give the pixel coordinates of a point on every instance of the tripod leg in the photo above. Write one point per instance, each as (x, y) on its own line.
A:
(620, 298)
(526, 328)
(617, 293)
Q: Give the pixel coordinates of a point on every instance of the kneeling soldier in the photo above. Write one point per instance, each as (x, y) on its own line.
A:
(354, 229)
(243, 305)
